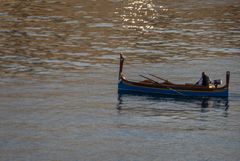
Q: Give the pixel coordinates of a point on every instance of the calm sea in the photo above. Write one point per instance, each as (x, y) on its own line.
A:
(58, 80)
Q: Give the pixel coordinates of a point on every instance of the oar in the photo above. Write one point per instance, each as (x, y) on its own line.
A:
(160, 78)
(149, 79)
(161, 84)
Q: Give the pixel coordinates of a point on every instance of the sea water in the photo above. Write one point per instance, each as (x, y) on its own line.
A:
(59, 74)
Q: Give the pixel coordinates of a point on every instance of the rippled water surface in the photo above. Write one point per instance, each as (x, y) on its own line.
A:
(59, 69)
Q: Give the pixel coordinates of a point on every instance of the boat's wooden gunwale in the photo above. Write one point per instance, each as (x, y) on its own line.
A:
(173, 86)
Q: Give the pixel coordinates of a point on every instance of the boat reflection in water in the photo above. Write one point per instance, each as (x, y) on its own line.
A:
(159, 105)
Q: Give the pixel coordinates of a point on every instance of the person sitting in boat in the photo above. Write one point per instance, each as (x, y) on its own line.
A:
(204, 80)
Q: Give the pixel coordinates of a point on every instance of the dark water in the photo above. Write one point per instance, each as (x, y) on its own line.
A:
(58, 79)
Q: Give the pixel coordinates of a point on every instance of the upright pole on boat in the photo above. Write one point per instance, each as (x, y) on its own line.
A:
(227, 78)
(121, 66)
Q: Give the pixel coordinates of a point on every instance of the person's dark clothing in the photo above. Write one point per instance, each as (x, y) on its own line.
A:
(205, 80)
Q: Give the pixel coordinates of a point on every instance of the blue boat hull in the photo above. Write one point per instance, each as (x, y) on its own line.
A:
(128, 87)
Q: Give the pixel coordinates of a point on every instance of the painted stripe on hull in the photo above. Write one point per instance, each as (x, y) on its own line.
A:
(122, 86)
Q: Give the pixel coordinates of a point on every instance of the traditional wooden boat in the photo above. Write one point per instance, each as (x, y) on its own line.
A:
(150, 86)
